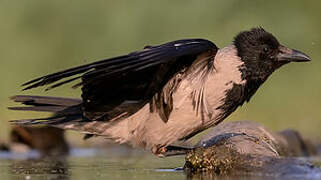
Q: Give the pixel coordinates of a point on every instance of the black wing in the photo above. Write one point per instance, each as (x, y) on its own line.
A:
(120, 86)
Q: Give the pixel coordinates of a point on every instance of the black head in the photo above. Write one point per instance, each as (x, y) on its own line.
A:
(262, 53)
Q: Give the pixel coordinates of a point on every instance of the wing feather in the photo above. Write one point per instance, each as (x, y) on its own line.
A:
(151, 74)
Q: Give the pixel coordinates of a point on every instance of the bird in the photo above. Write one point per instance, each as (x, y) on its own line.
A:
(160, 95)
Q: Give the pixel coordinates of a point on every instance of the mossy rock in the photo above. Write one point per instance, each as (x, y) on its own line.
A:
(245, 148)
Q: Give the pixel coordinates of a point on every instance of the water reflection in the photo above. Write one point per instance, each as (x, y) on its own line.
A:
(115, 163)
(50, 168)
(213, 176)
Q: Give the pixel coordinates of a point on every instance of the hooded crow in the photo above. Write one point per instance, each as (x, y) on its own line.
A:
(162, 94)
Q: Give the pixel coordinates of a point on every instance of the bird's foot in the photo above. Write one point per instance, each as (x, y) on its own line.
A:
(159, 151)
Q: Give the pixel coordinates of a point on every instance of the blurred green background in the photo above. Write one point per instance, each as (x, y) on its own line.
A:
(39, 37)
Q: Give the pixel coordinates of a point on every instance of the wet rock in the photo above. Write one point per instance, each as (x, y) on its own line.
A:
(247, 148)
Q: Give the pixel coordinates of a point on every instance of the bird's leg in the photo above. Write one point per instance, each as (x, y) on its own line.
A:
(171, 150)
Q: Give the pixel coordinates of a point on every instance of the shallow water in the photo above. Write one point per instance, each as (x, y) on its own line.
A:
(110, 163)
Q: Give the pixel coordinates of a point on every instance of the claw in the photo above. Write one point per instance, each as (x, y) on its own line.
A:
(159, 151)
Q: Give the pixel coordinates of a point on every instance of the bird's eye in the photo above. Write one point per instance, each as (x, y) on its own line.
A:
(265, 49)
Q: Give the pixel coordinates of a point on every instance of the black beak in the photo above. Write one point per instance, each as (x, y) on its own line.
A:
(291, 55)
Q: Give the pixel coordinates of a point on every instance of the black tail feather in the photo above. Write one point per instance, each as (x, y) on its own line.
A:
(38, 108)
(48, 120)
(45, 100)
(64, 109)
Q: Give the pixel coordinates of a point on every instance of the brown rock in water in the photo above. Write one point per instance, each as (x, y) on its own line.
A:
(246, 147)
(4, 147)
(49, 141)
(297, 145)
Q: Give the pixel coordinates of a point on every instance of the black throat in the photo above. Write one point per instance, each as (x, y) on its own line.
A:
(238, 95)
